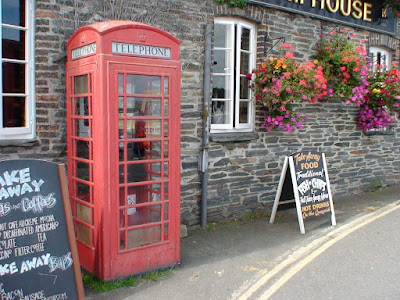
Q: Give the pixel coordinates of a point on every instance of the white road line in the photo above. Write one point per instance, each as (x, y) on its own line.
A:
(310, 253)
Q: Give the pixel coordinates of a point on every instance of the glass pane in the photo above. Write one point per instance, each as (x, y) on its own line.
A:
(244, 63)
(245, 39)
(83, 233)
(81, 106)
(165, 149)
(121, 173)
(137, 172)
(166, 169)
(82, 191)
(166, 212)
(122, 239)
(139, 129)
(222, 35)
(143, 84)
(166, 107)
(144, 236)
(83, 149)
(221, 87)
(13, 12)
(144, 215)
(142, 194)
(14, 79)
(120, 83)
(13, 43)
(166, 85)
(222, 61)
(122, 198)
(220, 112)
(14, 112)
(83, 171)
(166, 232)
(166, 128)
(121, 106)
(82, 128)
(83, 213)
(166, 191)
(244, 112)
(81, 84)
(244, 88)
(137, 150)
(143, 106)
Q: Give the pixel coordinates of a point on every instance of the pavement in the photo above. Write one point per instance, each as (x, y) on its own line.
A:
(227, 261)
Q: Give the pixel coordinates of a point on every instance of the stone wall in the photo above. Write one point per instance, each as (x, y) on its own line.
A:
(244, 174)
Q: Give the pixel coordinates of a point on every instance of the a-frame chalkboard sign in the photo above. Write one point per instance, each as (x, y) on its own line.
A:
(308, 182)
(38, 254)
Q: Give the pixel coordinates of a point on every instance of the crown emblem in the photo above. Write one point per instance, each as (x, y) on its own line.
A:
(142, 37)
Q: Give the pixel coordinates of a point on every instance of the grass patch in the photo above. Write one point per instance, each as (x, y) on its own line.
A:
(92, 282)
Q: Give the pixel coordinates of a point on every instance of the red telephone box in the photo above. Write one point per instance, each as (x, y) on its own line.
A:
(123, 137)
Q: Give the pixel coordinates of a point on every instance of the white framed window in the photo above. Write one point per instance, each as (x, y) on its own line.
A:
(234, 57)
(380, 56)
(17, 71)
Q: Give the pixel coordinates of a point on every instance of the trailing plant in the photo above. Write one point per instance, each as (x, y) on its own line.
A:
(345, 64)
(281, 81)
(341, 72)
(381, 100)
(233, 3)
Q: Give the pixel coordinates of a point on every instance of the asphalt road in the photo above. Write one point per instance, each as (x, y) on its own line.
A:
(363, 264)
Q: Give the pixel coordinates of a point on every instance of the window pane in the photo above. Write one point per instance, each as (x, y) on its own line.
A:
(166, 85)
(221, 87)
(83, 213)
(121, 83)
(13, 43)
(143, 150)
(83, 233)
(13, 12)
(138, 129)
(81, 84)
(14, 112)
(13, 78)
(83, 171)
(166, 107)
(220, 112)
(244, 112)
(244, 63)
(245, 39)
(222, 36)
(144, 236)
(222, 61)
(143, 84)
(83, 149)
(143, 106)
(244, 88)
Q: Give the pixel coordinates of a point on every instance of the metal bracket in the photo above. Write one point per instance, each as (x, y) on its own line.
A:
(274, 41)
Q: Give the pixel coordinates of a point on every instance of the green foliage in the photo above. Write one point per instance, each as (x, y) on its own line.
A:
(94, 283)
(233, 3)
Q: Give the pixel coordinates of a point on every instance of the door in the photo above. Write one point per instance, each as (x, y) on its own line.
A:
(80, 141)
(145, 153)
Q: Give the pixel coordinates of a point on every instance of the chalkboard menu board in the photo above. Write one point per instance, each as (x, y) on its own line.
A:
(38, 256)
(309, 184)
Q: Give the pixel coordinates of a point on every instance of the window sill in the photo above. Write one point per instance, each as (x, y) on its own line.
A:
(18, 143)
(233, 137)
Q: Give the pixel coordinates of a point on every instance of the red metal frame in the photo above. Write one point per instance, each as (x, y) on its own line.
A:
(126, 224)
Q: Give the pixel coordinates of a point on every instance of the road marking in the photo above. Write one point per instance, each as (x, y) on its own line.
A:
(308, 253)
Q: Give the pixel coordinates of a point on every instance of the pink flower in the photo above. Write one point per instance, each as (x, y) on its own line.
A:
(289, 54)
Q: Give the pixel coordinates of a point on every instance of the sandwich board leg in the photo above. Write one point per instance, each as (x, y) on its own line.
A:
(279, 190)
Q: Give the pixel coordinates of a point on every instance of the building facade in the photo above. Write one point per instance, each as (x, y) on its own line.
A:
(242, 161)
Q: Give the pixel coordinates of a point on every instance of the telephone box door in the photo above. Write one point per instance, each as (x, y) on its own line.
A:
(145, 153)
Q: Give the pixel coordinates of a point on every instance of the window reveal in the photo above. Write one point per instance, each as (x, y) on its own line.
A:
(233, 55)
